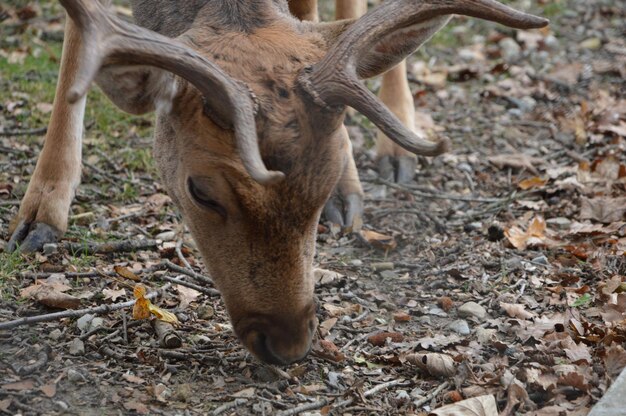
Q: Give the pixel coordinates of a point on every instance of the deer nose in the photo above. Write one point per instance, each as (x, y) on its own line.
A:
(280, 345)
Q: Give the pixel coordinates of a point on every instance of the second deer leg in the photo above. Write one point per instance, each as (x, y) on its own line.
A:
(43, 213)
(395, 163)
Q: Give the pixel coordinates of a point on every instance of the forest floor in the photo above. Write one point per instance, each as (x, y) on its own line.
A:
(499, 285)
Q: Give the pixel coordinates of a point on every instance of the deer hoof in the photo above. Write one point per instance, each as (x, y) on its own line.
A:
(345, 210)
(399, 169)
(31, 237)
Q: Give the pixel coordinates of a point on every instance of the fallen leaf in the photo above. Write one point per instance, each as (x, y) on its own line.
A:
(249, 392)
(517, 161)
(49, 389)
(138, 407)
(126, 273)
(378, 240)
(380, 338)
(113, 294)
(323, 276)
(143, 307)
(186, 295)
(604, 210)
(534, 182)
(22, 385)
(131, 378)
(435, 364)
(615, 360)
(476, 406)
(516, 310)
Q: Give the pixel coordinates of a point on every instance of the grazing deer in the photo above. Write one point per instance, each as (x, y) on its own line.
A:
(249, 136)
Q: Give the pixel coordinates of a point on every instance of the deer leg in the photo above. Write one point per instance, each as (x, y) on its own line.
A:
(395, 163)
(43, 213)
(345, 206)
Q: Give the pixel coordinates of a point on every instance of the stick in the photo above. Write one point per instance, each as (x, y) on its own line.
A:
(321, 403)
(200, 277)
(227, 406)
(99, 310)
(29, 132)
(179, 253)
(206, 291)
(110, 247)
(166, 334)
(432, 394)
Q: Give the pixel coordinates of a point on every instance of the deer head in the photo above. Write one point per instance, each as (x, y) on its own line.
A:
(251, 143)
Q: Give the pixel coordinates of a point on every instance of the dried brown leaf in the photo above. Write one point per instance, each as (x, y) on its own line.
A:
(476, 406)
(516, 310)
(435, 364)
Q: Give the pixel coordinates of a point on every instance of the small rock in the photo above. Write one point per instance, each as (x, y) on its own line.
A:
(437, 311)
(74, 376)
(266, 375)
(62, 405)
(166, 236)
(472, 309)
(55, 335)
(541, 260)
(389, 274)
(473, 226)
(50, 248)
(77, 347)
(424, 320)
(205, 312)
(459, 326)
(591, 43)
(84, 322)
(551, 42)
(510, 50)
(356, 262)
(96, 322)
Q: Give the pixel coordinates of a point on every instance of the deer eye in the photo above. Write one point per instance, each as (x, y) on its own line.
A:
(201, 197)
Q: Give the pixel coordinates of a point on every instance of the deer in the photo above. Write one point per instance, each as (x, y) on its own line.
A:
(249, 137)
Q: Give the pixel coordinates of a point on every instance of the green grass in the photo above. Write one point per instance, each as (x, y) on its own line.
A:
(11, 265)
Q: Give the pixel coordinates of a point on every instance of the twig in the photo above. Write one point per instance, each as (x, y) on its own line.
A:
(200, 277)
(12, 203)
(166, 334)
(432, 394)
(323, 402)
(99, 310)
(179, 253)
(304, 408)
(28, 132)
(110, 247)
(206, 291)
(434, 194)
(230, 405)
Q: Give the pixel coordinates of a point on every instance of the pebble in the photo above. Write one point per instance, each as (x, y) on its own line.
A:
(437, 311)
(50, 248)
(77, 347)
(74, 375)
(205, 312)
(541, 260)
(166, 236)
(84, 322)
(510, 50)
(356, 262)
(379, 267)
(472, 309)
(55, 335)
(459, 326)
(389, 274)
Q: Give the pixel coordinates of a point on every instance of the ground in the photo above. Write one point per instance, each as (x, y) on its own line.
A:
(499, 274)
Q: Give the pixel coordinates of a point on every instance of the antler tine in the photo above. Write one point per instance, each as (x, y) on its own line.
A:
(334, 80)
(107, 40)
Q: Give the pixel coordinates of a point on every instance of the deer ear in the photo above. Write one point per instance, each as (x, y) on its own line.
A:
(391, 49)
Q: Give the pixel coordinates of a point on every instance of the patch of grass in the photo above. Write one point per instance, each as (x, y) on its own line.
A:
(11, 265)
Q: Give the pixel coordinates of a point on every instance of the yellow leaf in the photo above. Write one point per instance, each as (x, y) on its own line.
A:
(162, 314)
(534, 182)
(143, 307)
(126, 273)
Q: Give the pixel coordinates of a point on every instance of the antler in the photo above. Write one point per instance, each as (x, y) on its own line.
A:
(107, 40)
(334, 80)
